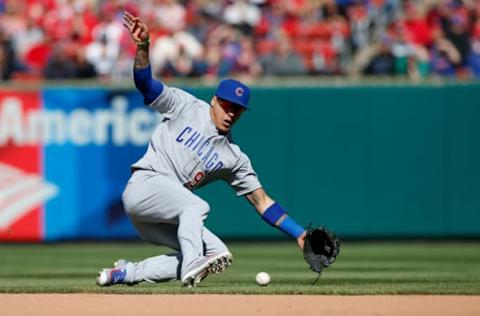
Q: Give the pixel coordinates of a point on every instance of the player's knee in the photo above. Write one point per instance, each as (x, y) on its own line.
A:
(203, 208)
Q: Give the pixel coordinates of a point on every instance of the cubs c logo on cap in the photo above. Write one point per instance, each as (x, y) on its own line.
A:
(239, 91)
(233, 91)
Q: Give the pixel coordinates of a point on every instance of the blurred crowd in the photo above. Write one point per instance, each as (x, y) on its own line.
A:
(66, 39)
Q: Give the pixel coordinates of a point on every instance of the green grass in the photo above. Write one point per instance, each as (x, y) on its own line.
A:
(362, 268)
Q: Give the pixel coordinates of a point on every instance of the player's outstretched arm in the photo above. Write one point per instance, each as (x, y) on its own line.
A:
(319, 246)
(275, 215)
(142, 72)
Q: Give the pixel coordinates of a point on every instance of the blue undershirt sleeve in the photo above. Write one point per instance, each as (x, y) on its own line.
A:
(148, 87)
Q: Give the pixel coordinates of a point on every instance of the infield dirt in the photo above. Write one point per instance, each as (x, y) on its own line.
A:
(232, 305)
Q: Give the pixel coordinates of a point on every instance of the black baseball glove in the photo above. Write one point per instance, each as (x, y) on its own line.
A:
(321, 248)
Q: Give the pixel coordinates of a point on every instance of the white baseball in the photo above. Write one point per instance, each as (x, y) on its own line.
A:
(262, 278)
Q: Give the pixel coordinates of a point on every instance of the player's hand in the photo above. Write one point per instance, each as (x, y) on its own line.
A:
(301, 240)
(138, 30)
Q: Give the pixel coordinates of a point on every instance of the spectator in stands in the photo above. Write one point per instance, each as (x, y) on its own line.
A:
(6, 69)
(109, 27)
(36, 58)
(283, 61)
(183, 65)
(418, 63)
(455, 23)
(212, 9)
(247, 63)
(9, 64)
(473, 59)
(200, 24)
(59, 66)
(242, 14)
(382, 61)
(176, 54)
(444, 56)
(170, 15)
(26, 38)
(411, 55)
(223, 50)
(413, 25)
(103, 55)
(83, 69)
(359, 25)
(325, 59)
(276, 19)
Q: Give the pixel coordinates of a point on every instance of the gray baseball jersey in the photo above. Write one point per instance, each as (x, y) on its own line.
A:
(187, 147)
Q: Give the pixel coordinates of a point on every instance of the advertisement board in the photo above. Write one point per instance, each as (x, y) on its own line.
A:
(64, 157)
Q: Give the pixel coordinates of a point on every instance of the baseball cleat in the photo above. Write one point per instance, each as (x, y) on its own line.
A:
(107, 277)
(208, 265)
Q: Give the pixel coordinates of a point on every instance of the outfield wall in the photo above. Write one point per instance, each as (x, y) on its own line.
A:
(367, 161)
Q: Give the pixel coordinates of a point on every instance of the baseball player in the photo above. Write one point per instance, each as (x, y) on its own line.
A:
(190, 148)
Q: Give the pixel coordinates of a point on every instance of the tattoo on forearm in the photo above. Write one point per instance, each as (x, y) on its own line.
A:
(141, 57)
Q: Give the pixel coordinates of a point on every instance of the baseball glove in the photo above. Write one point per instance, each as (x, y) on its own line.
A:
(321, 248)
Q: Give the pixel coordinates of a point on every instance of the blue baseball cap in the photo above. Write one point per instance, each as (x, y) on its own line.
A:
(233, 91)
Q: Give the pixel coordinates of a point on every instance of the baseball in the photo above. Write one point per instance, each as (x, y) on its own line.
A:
(262, 278)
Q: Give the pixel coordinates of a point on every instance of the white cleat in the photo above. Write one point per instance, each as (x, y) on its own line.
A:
(107, 276)
(208, 265)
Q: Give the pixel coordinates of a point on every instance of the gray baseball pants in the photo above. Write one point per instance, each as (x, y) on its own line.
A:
(166, 213)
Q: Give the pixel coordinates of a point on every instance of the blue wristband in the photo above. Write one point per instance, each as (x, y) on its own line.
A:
(148, 87)
(290, 227)
(273, 213)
